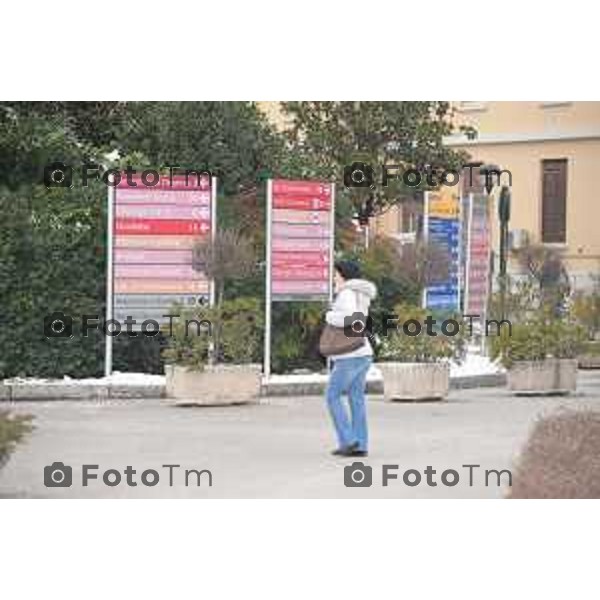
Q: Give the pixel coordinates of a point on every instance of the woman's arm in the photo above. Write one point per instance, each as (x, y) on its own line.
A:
(343, 307)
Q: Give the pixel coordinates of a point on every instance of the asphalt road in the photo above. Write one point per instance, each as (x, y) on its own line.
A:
(279, 448)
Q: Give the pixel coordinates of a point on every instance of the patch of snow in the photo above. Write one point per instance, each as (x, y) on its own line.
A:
(117, 378)
(475, 364)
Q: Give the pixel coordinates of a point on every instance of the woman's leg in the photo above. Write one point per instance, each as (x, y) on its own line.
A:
(358, 406)
(339, 381)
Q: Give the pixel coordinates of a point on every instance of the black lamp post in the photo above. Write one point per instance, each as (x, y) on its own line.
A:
(504, 218)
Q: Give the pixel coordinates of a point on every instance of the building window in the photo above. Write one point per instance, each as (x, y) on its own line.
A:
(410, 214)
(554, 201)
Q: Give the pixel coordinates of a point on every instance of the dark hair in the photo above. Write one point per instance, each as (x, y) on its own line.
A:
(348, 269)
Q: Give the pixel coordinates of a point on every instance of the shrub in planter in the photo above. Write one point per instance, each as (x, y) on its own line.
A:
(589, 357)
(296, 329)
(540, 353)
(198, 371)
(13, 429)
(586, 310)
(417, 367)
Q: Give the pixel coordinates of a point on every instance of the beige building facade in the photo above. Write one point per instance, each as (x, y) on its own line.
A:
(552, 151)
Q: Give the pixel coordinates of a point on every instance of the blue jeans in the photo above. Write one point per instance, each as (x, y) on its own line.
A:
(348, 377)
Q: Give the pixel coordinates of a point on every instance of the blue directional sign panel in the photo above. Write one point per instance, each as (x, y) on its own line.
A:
(443, 229)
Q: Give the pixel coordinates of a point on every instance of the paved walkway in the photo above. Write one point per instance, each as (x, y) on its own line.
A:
(279, 449)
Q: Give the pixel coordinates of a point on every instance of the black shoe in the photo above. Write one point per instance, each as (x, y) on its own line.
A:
(358, 452)
(347, 451)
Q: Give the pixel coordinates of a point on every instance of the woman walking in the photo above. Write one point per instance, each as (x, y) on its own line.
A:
(349, 372)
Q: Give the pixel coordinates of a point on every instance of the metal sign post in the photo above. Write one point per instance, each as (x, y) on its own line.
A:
(332, 244)
(108, 339)
(213, 230)
(426, 240)
(267, 352)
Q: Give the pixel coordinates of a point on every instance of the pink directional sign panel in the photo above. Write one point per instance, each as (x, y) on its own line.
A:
(301, 240)
(163, 211)
(478, 257)
(300, 288)
(302, 217)
(154, 231)
(157, 271)
(299, 244)
(303, 260)
(286, 230)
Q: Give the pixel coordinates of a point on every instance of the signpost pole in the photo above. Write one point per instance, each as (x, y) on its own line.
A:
(108, 340)
(213, 229)
(213, 233)
(425, 239)
(267, 350)
(331, 255)
(332, 244)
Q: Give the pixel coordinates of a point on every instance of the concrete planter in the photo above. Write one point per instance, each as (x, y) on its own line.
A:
(590, 355)
(589, 361)
(217, 385)
(543, 377)
(415, 381)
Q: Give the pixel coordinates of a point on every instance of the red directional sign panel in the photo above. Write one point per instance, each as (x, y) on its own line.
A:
(154, 231)
(164, 226)
(301, 240)
(287, 187)
(302, 202)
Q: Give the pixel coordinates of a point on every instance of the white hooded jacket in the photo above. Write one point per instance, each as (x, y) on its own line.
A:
(354, 297)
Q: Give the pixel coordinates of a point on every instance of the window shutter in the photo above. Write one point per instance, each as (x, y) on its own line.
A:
(554, 201)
